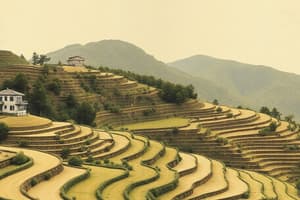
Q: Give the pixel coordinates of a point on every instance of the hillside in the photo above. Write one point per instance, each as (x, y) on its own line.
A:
(126, 56)
(7, 58)
(122, 165)
(257, 85)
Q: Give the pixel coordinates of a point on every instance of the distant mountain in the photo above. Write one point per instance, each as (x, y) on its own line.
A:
(258, 85)
(126, 56)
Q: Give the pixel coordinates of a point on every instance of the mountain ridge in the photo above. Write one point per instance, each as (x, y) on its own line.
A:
(231, 82)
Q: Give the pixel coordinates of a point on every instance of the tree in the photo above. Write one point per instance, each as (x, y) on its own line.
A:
(20, 83)
(3, 131)
(35, 58)
(75, 161)
(65, 152)
(275, 113)
(39, 101)
(71, 101)
(265, 110)
(43, 59)
(22, 57)
(19, 159)
(289, 118)
(85, 114)
(215, 102)
(39, 59)
(54, 86)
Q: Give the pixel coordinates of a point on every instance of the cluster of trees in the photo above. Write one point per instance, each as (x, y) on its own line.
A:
(41, 102)
(39, 59)
(170, 92)
(272, 112)
(3, 131)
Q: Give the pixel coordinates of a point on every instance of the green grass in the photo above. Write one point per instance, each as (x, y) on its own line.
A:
(86, 189)
(7, 169)
(164, 123)
(8, 58)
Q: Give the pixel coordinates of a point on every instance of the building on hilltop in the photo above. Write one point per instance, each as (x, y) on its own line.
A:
(76, 61)
(12, 102)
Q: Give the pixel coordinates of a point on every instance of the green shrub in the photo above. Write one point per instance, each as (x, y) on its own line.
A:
(65, 153)
(33, 182)
(90, 159)
(47, 176)
(22, 144)
(219, 109)
(54, 86)
(75, 161)
(19, 159)
(3, 131)
(273, 126)
(222, 140)
(215, 102)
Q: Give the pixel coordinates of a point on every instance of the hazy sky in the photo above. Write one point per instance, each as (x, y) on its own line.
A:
(253, 31)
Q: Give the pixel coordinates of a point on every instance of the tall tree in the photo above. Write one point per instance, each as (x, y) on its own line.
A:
(35, 58)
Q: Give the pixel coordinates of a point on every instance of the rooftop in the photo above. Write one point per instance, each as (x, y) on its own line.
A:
(75, 58)
(9, 92)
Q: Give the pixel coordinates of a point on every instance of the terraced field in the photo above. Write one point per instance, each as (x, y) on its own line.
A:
(233, 136)
(125, 166)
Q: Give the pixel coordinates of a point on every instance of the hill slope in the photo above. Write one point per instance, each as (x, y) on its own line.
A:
(126, 56)
(260, 85)
(7, 58)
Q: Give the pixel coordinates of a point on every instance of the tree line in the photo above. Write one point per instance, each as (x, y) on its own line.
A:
(170, 92)
(41, 102)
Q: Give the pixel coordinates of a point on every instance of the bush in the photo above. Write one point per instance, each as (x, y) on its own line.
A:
(273, 126)
(175, 131)
(219, 109)
(215, 102)
(3, 131)
(19, 159)
(23, 144)
(47, 176)
(90, 159)
(33, 182)
(222, 140)
(65, 153)
(75, 161)
(85, 114)
(54, 86)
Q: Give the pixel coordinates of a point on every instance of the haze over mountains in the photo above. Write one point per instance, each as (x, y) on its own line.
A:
(228, 81)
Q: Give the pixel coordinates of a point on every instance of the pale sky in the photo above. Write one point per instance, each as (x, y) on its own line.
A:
(253, 31)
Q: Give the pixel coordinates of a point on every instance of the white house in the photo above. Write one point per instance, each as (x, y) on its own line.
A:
(11, 102)
(76, 61)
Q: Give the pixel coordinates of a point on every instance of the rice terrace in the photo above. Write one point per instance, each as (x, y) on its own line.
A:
(107, 121)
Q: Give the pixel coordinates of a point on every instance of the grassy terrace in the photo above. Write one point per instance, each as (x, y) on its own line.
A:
(138, 172)
(164, 123)
(166, 175)
(49, 190)
(24, 121)
(97, 177)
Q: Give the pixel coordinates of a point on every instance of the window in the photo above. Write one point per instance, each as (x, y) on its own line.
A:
(5, 98)
(5, 107)
(11, 108)
(0, 98)
(11, 98)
